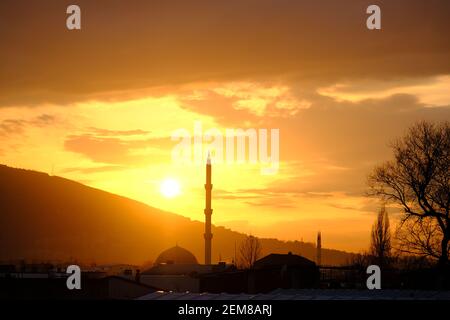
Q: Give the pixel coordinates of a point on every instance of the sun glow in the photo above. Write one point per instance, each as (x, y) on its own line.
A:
(170, 188)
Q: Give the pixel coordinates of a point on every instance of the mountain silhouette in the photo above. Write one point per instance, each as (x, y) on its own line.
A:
(49, 218)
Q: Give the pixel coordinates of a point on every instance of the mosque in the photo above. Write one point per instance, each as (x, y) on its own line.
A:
(176, 255)
(181, 256)
(175, 268)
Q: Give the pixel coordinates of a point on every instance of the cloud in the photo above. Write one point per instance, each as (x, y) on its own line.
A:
(17, 126)
(429, 91)
(263, 197)
(341, 137)
(343, 207)
(111, 133)
(9, 126)
(333, 145)
(137, 44)
(278, 203)
(243, 103)
(107, 150)
(98, 169)
(113, 147)
(276, 195)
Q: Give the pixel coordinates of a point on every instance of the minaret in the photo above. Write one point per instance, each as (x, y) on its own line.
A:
(319, 249)
(208, 212)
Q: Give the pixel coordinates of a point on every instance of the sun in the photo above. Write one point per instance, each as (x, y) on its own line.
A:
(170, 188)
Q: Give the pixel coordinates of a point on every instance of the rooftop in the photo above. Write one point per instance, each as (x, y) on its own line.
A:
(306, 294)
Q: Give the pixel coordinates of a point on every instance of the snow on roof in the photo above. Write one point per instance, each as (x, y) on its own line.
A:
(305, 294)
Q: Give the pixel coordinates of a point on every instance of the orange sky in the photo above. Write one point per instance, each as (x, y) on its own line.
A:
(99, 105)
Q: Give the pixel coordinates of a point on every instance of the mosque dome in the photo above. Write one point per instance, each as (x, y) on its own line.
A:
(176, 255)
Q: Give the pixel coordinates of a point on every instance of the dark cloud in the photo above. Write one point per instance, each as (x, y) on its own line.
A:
(340, 142)
(351, 133)
(12, 126)
(135, 44)
(17, 126)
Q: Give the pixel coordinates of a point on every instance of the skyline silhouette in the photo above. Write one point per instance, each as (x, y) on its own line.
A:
(48, 218)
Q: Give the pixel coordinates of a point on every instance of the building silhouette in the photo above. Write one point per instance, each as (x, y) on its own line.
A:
(176, 255)
(208, 212)
(319, 249)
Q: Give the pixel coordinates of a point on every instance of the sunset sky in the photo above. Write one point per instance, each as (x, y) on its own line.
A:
(98, 105)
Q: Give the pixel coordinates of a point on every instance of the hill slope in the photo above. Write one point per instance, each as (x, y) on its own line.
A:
(44, 217)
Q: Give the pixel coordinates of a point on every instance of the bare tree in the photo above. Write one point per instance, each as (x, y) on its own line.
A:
(250, 251)
(360, 261)
(420, 237)
(380, 247)
(418, 179)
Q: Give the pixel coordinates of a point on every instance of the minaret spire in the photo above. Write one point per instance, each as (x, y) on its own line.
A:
(319, 249)
(208, 212)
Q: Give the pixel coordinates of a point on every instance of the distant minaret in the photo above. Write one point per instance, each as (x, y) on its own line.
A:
(208, 212)
(319, 249)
